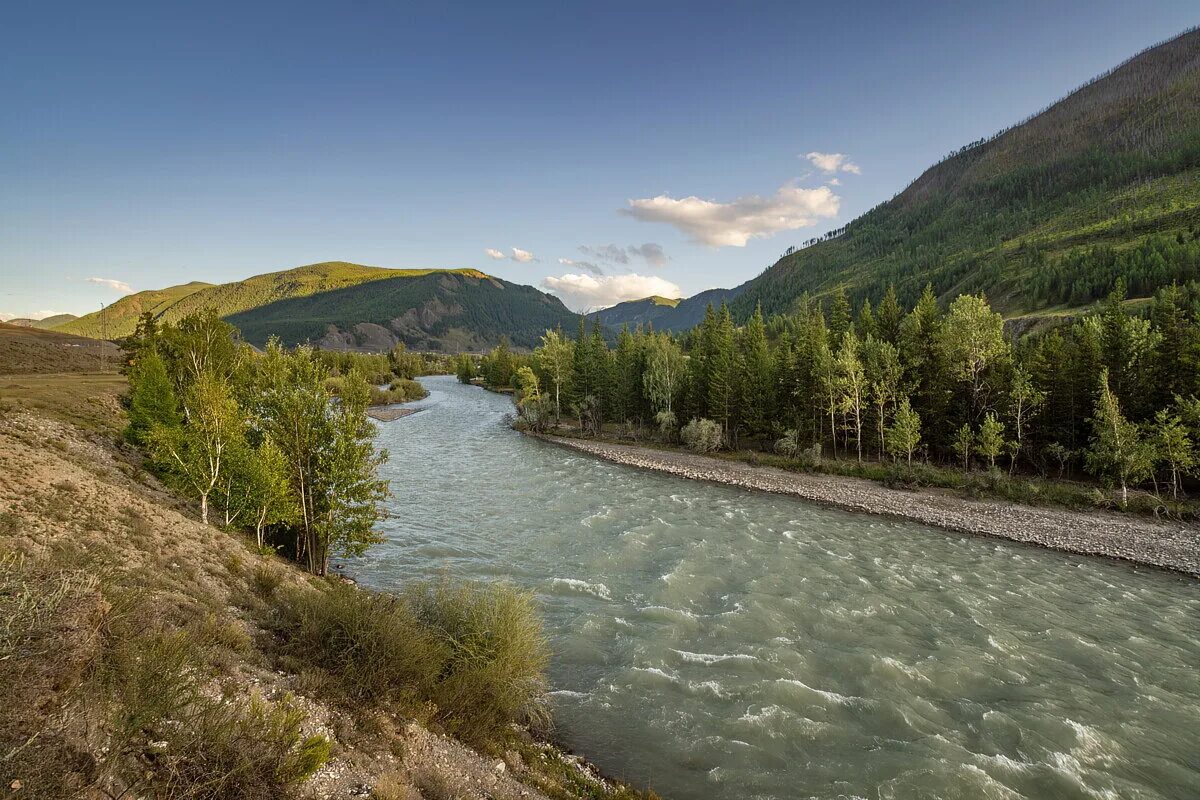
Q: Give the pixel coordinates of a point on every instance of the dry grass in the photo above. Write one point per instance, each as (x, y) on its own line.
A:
(89, 401)
(31, 350)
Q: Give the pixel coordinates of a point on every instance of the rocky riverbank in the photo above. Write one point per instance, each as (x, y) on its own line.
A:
(1168, 545)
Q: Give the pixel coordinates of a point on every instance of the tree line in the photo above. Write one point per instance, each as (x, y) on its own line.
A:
(260, 440)
(1110, 394)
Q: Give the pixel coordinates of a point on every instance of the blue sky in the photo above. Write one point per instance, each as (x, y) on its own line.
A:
(604, 149)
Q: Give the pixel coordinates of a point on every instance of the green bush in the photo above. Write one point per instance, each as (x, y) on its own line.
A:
(371, 643)
(702, 435)
(410, 389)
(495, 673)
(475, 651)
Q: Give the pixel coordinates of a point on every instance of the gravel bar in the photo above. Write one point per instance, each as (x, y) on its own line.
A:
(1173, 546)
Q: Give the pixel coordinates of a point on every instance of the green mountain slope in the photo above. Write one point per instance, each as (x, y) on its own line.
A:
(230, 298)
(45, 323)
(1044, 215)
(446, 310)
(120, 318)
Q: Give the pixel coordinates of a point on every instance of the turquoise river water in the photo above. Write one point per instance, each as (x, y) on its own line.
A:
(711, 642)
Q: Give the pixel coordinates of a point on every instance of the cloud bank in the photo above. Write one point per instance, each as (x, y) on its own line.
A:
(650, 252)
(734, 223)
(588, 292)
(833, 162)
(113, 283)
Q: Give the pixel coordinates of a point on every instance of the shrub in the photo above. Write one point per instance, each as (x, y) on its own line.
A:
(265, 580)
(401, 391)
(497, 656)
(702, 435)
(410, 389)
(236, 751)
(534, 415)
(666, 422)
(789, 444)
(477, 652)
(175, 739)
(371, 643)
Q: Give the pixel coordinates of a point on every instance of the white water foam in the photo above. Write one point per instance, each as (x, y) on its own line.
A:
(594, 589)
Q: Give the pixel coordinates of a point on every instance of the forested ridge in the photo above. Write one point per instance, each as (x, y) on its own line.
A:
(1046, 214)
(448, 310)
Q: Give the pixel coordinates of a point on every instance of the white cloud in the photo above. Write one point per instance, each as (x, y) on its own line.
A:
(734, 223)
(113, 283)
(834, 182)
(5, 316)
(591, 267)
(587, 292)
(833, 162)
(517, 254)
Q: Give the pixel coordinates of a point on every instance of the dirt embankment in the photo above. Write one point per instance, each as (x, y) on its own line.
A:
(1173, 546)
(77, 502)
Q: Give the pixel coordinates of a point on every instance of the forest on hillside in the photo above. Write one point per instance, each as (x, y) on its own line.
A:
(1105, 180)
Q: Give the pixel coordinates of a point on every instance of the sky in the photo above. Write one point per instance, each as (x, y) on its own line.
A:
(600, 151)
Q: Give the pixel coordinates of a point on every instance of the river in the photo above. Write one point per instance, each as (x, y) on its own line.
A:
(711, 642)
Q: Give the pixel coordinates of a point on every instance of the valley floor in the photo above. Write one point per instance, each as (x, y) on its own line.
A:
(1169, 545)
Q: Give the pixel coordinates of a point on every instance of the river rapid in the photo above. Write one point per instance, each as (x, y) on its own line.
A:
(712, 642)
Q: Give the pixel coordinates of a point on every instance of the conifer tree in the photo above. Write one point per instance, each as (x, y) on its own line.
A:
(866, 325)
(758, 397)
(888, 316)
(152, 399)
(722, 389)
(839, 317)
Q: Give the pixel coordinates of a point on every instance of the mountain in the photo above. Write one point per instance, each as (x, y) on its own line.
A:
(450, 310)
(339, 305)
(120, 318)
(636, 312)
(45, 323)
(1044, 215)
(665, 314)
